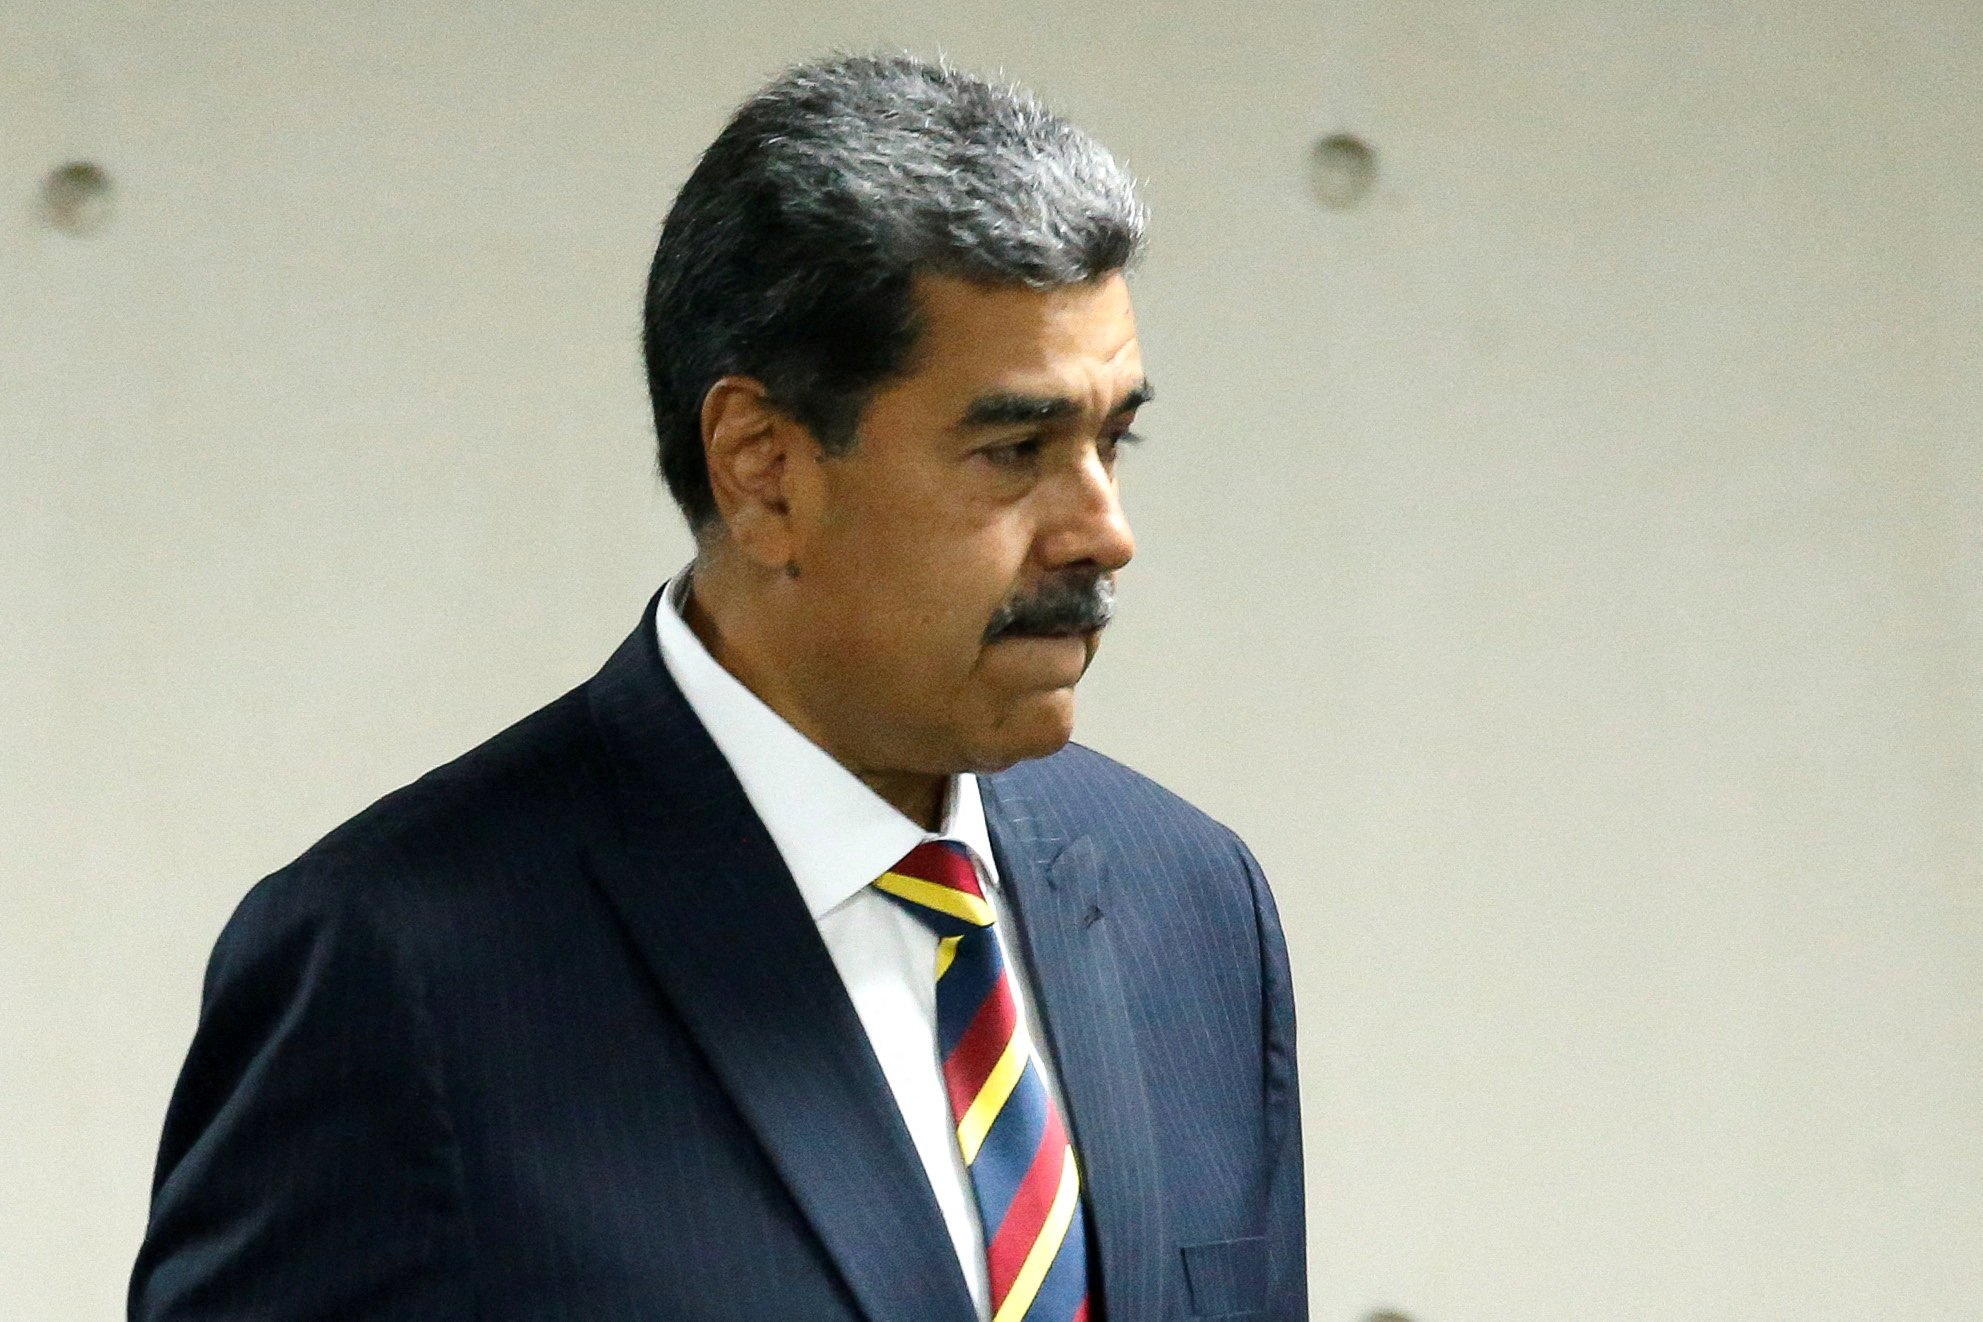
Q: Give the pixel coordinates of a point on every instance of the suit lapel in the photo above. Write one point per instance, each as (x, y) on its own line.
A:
(1057, 891)
(719, 922)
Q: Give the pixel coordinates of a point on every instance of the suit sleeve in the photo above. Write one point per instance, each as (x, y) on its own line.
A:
(307, 1168)
(1286, 1217)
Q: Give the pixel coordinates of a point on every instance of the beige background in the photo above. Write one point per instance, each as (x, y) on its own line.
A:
(1564, 569)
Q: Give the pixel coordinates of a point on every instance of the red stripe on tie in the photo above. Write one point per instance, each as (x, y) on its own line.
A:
(937, 862)
(1031, 1201)
(971, 1061)
(1081, 1313)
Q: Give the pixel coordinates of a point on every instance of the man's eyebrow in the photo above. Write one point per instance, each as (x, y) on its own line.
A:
(1007, 408)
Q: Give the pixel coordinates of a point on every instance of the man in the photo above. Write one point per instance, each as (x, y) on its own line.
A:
(795, 966)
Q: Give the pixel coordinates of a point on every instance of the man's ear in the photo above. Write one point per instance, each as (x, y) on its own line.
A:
(759, 457)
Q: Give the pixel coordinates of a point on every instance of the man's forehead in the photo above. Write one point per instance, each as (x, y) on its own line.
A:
(993, 347)
(952, 301)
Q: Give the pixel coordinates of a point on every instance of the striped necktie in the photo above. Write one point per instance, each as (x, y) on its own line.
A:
(1014, 1144)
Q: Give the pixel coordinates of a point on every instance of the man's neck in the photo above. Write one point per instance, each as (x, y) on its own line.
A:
(919, 796)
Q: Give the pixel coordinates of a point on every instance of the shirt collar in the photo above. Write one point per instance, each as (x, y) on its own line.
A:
(835, 834)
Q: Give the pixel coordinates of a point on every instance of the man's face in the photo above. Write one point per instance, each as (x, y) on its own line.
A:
(952, 563)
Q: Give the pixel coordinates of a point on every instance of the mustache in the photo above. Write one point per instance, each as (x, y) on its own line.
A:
(1068, 604)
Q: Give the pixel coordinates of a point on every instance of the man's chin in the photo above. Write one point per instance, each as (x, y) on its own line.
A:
(1038, 726)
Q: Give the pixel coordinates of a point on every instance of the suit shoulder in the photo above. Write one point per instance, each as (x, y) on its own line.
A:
(524, 794)
(1092, 793)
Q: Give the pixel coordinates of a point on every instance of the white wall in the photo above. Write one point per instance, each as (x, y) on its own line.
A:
(1565, 569)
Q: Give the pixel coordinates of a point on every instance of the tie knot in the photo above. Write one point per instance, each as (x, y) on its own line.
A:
(938, 883)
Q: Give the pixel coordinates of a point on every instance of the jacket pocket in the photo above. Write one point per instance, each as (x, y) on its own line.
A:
(1226, 1278)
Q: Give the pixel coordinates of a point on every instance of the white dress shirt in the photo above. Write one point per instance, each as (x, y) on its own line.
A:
(836, 835)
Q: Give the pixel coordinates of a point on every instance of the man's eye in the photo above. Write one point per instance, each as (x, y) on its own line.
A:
(1014, 454)
(1111, 442)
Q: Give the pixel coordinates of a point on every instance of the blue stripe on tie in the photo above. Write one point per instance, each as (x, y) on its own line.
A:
(936, 920)
(943, 924)
(1067, 1280)
(972, 976)
(1009, 1148)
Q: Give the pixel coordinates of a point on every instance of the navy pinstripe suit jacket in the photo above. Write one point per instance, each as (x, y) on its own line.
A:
(549, 1034)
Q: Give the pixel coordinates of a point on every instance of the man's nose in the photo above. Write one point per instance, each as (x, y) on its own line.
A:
(1091, 527)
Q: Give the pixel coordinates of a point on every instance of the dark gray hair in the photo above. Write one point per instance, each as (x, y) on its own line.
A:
(790, 254)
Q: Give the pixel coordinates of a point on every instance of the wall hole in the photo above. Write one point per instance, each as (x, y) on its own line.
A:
(1341, 169)
(77, 198)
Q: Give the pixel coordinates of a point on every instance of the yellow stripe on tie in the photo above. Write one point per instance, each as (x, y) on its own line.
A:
(971, 908)
(1039, 1258)
(946, 951)
(984, 1108)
